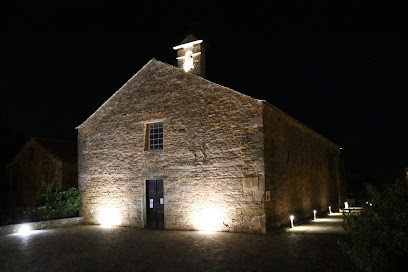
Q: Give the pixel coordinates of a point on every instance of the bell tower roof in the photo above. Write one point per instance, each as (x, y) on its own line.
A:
(189, 38)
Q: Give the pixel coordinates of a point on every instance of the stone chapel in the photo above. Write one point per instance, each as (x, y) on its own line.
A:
(171, 149)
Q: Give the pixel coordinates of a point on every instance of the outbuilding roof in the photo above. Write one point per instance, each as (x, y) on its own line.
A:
(66, 151)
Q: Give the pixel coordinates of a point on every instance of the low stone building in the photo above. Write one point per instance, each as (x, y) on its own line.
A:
(173, 150)
(38, 164)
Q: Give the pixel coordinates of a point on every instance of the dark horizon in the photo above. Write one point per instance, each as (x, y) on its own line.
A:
(338, 69)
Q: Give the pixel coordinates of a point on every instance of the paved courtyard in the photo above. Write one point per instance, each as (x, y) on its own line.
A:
(308, 247)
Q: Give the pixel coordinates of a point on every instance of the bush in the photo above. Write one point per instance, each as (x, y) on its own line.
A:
(58, 204)
(377, 238)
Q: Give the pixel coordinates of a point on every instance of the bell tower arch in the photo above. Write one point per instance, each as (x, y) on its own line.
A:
(191, 55)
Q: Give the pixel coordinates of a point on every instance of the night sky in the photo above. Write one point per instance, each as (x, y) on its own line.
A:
(340, 69)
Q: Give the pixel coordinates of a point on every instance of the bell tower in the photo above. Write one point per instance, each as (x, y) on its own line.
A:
(191, 55)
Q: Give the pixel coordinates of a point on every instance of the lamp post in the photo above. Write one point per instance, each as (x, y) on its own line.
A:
(314, 214)
(291, 221)
(330, 212)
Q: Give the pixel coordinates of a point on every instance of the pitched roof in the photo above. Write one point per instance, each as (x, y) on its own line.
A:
(100, 109)
(152, 66)
(189, 38)
(64, 150)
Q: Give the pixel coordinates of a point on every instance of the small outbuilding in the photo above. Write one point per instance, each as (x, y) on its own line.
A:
(41, 163)
(173, 150)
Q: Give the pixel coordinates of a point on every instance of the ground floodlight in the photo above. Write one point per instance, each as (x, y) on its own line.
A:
(24, 229)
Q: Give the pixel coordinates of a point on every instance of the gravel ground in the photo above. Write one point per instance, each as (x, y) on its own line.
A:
(308, 247)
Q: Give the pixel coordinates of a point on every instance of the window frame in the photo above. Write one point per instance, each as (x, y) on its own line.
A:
(154, 132)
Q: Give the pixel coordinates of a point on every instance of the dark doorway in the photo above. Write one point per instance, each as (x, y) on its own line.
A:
(155, 204)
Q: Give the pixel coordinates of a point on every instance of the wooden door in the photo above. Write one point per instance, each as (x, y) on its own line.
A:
(155, 204)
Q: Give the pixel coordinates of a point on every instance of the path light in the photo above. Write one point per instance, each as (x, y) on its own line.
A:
(330, 212)
(291, 221)
(314, 214)
(346, 205)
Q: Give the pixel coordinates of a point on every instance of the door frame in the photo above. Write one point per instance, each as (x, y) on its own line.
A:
(145, 204)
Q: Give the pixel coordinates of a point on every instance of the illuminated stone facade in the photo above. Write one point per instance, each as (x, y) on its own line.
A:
(301, 169)
(222, 150)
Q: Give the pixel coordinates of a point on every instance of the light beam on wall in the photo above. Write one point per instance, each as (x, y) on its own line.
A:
(188, 59)
(208, 219)
(109, 216)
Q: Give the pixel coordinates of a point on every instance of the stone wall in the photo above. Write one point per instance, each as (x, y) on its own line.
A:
(212, 157)
(301, 169)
